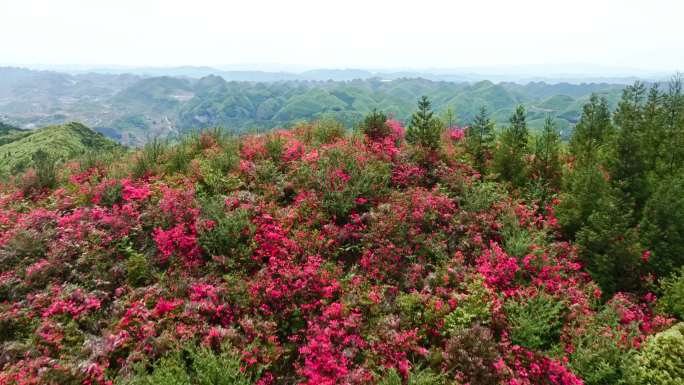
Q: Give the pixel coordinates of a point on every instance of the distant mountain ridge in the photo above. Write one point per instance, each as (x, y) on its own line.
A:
(132, 108)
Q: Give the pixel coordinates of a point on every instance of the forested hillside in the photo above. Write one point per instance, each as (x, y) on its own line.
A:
(426, 253)
(133, 109)
(20, 149)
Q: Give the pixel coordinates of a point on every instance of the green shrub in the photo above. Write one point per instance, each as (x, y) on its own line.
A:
(482, 195)
(672, 298)
(375, 126)
(138, 268)
(192, 366)
(416, 377)
(660, 360)
(148, 159)
(327, 130)
(275, 145)
(342, 178)
(231, 234)
(473, 307)
(535, 322)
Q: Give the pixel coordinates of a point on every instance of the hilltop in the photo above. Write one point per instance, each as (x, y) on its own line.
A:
(61, 142)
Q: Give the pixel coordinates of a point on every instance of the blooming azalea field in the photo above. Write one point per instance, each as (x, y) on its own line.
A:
(306, 256)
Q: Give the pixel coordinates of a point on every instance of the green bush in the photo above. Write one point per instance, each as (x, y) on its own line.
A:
(375, 126)
(327, 130)
(147, 160)
(473, 307)
(535, 322)
(138, 268)
(416, 377)
(672, 298)
(231, 234)
(363, 180)
(660, 360)
(192, 366)
(598, 357)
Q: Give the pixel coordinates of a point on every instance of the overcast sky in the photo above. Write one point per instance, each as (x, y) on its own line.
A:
(351, 33)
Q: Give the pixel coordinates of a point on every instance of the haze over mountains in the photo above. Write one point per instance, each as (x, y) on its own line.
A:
(134, 105)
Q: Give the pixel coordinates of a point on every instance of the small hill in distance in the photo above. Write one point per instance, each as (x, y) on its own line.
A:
(62, 142)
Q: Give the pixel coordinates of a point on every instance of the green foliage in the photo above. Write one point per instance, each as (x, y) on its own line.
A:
(275, 145)
(46, 169)
(57, 143)
(672, 299)
(192, 366)
(341, 178)
(482, 195)
(424, 128)
(480, 139)
(546, 166)
(610, 247)
(594, 212)
(627, 161)
(660, 361)
(148, 159)
(535, 322)
(138, 267)
(473, 307)
(374, 125)
(592, 131)
(327, 130)
(417, 376)
(230, 234)
(509, 158)
(599, 357)
(662, 225)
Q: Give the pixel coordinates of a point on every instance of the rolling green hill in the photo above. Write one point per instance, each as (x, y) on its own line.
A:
(133, 109)
(62, 142)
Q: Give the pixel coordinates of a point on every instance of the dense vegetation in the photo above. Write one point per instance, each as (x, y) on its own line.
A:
(134, 109)
(434, 254)
(19, 149)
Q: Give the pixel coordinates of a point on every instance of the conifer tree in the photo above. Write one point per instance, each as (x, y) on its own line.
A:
(424, 129)
(592, 131)
(546, 166)
(674, 126)
(480, 139)
(375, 126)
(593, 212)
(654, 135)
(509, 158)
(627, 163)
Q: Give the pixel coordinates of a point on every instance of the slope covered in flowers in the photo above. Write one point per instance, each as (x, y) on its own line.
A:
(310, 256)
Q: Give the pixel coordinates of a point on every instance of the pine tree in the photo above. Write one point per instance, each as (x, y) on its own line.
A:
(509, 158)
(627, 163)
(480, 139)
(375, 126)
(593, 129)
(654, 135)
(450, 119)
(424, 129)
(593, 212)
(674, 126)
(546, 166)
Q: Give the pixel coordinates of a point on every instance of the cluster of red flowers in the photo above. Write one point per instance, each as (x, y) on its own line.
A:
(382, 265)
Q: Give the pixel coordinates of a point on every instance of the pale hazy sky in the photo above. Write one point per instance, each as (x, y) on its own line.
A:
(342, 34)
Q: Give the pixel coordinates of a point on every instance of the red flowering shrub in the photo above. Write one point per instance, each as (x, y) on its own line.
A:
(313, 258)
